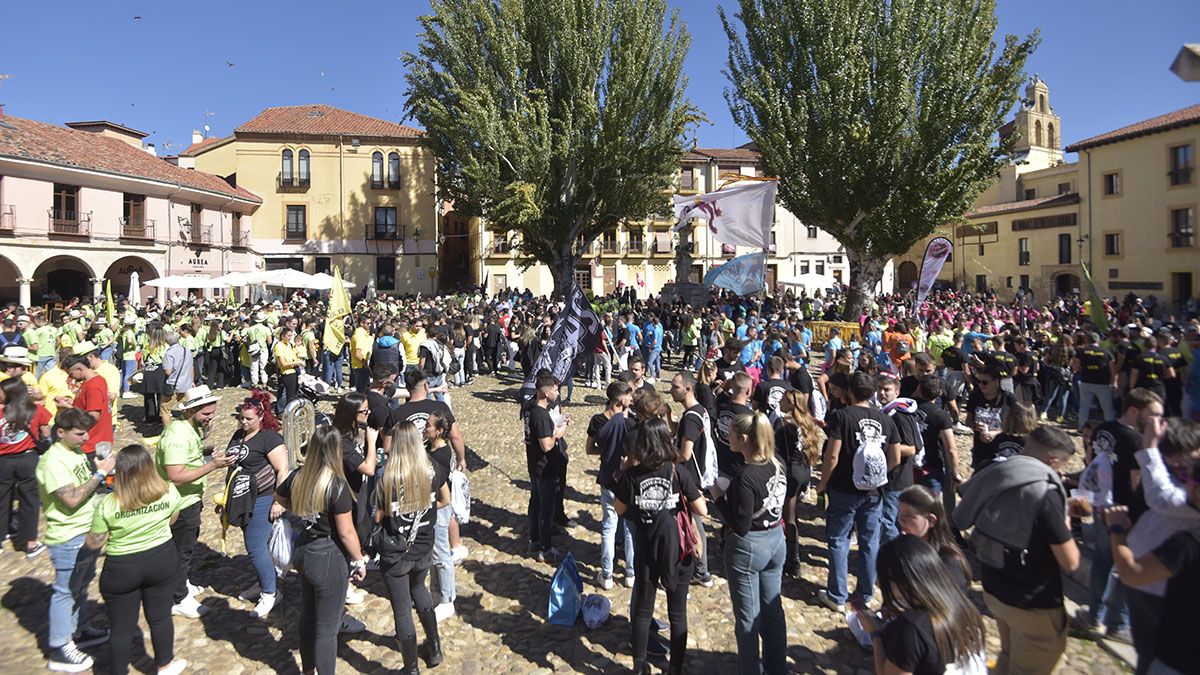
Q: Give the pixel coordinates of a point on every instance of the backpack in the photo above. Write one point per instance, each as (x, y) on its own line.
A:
(870, 462)
(5, 341)
(460, 496)
(708, 472)
(904, 413)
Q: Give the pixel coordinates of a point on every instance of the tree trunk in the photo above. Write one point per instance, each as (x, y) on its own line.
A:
(563, 270)
(865, 273)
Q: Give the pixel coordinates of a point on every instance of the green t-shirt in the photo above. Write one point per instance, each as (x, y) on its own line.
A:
(63, 467)
(138, 530)
(47, 341)
(258, 333)
(104, 336)
(180, 444)
(128, 340)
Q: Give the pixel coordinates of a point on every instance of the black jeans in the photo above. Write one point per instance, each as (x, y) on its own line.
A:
(145, 578)
(543, 494)
(324, 576)
(18, 479)
(184, 534)
(360, 379)
(644, 586)
(289, 390)
(216, 368)
(406, 591)
(1144, 611)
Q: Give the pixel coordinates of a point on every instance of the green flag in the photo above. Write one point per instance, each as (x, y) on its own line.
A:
(1099, 315)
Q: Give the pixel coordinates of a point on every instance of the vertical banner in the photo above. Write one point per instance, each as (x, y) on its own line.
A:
(334, 336)
(1098, 313)
(936, 254)
(574, 335)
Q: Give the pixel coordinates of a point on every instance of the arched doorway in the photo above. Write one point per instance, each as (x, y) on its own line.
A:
(906, 276)
(1066, 284)
(454, 253)
(10, 290)
(118, 274)
(61, 278)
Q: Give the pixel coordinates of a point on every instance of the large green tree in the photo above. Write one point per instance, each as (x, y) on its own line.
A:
(879, 116)
(555, 119)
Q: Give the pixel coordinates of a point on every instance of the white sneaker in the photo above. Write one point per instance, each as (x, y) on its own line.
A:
(354, 596)
(190, 608)
(194, 590)
(251, 594)
(458, 554)
(266, 602)
(173, 668)
(604, 582)
(129, 394)
(351, 625)
(629, 579)
(444, 611)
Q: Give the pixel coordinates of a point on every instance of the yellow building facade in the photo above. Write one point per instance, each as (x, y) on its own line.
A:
(339, 189)
(1127, 208)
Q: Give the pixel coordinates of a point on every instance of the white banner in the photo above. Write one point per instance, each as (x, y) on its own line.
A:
(741, 213)
(936, 254)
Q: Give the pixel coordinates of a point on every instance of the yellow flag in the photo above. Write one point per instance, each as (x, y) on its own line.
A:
(109, 308)
(334, 337)
(230, 300)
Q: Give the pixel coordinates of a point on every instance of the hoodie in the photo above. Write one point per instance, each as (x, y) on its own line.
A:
(1001, 503)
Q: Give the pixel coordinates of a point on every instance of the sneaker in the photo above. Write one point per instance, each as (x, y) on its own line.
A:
(129, 394)
(354, 596)
(266, 602)
(251, 594)
(68, 659)
(1121, 634)
(38, 549)
(824, 599)
(1085, 624)
(194, 590)
(656, 646)
(629, 579)
(444, 611)
(458, 554)
(605, 582)
(705, 581)
(351, 625)
(551, 556)
(173, 668)
(89, 637)
(190, 608)
(962, 429)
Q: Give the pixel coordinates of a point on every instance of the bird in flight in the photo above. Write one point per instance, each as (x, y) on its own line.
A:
(231, 64)
(137, 18)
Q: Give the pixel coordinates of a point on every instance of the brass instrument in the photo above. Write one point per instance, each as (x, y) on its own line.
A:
(298, 421)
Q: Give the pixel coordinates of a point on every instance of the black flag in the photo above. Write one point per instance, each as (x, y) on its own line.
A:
(574, 335)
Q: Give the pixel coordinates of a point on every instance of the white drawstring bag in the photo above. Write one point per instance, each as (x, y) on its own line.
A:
(460, 496)
(282, 543)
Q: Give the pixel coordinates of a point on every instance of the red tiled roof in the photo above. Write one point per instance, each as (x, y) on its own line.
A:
(195, 148)
(1172, 120)
(1024, 205)
(732, 154)
(40, 142)
(323, 120)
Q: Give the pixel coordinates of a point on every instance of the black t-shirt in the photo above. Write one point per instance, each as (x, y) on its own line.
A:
(691, 427)
(418, 413)
(909, 643)
(652, 494)
(1130, 351)
(1122, 442)
(1001, 360)
(992, 413)
(380, 411)
(538, 425)
(801, 380)
(1008, 445)
(1175, 643)
(908, 426)
(952, 358)
(856, 425)
(1030, 579)
(768, 394)
(320, 524)
(610, 440)
(425, 519)
(933, 421)
(727, 369)
(755, 498)
(704, 396)
(252, 454)
(727, 460)
(1175, 359)
(1094, 365)
(595, 423)
(1152, 369)
(352, 457)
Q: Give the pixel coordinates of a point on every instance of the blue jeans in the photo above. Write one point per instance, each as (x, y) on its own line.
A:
(256, 535)
(542, 493)
(437, 381)
(1102, 393)
(610, 525)
(441, 582)
(106, 354)
(888, 516)
(1059, 396)
(654, 363)
(1106, 593)
(331, 367)
(933, 481)
(754, 567)
(44, 363)
(844, 513)
(127, 371)
(74, 567)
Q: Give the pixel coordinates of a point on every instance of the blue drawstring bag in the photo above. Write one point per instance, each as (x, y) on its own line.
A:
(566, 593)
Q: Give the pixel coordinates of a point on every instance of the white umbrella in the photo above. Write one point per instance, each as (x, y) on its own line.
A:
(288, 278)
(325, 282)
(135, 289)
(186, 281)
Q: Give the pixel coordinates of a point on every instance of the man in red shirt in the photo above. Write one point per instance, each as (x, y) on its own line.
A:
(92, 399)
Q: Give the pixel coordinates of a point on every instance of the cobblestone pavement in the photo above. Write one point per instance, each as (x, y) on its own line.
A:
(502, 593)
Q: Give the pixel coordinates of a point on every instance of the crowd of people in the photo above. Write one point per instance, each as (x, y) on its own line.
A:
(718, 420)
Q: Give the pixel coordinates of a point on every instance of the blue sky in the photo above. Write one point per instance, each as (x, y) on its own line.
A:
(1104, 60)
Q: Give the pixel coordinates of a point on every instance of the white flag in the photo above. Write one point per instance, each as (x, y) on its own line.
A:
(739, 214)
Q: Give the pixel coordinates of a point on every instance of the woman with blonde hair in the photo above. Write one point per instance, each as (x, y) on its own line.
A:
(406, 500)
(1020, 420)
(754, 548)
(798, 443)
(319, 495)
(134, 521)
(154, 378)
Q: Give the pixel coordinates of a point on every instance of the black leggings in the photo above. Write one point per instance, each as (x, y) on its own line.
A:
(644, 587)
(406, 591)
(18, 479)
(144, 578)
(324, 576)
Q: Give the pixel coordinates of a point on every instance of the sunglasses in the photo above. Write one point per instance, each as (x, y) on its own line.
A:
(985, 382)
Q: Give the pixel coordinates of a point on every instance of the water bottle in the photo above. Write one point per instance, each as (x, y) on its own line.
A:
(103, 449)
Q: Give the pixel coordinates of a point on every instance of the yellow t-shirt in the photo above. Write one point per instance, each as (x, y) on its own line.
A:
(361, 341)
(412, 343)
(284, 352)
(112, 377)
(54, 383)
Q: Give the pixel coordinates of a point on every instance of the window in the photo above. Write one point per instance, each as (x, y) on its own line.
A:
(1183, 228)
(1024, 282)
(237, 236)
(1111, 184)
(608, 241)
(1008, 282)
(981, 249)
(1023, 251)
(377, 170)
(1181, 165)
(385, 222)
(980, 283)
(304, 163)
(636, 243)
(1112, 243)
(812, 231)
(820, 268)
(583, 278)
(1064, 249)
(134, 211)
(1031, 193)
(323, 264)
(394, 170)
(1113, 273)
(687, 179)
(1051, 137)
(1064, 188)
(385, 273)
(297, 222)
(1037, 133)
(500, 243)
(1044, 222)
(66, 202)
(804, 267)
(1042, 102)
(285, 168)
(837, 259)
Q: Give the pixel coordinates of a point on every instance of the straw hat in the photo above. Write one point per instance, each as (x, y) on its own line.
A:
(197, 397)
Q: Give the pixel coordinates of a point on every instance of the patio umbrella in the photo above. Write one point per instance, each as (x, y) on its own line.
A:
(288, 278)
(325, 282)
(135, 289)
(186, 281)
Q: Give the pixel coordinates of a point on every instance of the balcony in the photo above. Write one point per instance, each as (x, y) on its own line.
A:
(1182, 239)
(292, 183)
(377, 183)
(70, 223)
(138, 229)
(8, 219)
(199, 234)
(294, 234)
(610, 247)
(636, 246)
(383, 232)
(1180, 176)
(239, 239)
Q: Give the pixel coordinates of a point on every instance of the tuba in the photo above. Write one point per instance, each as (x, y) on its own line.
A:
(298, 422)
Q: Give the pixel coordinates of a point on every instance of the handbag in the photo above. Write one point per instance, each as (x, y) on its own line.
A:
(689, 537)
(387, 539)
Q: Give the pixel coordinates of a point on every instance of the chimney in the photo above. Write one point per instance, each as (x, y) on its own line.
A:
(1, 110)
(149, 147)
(196, 136)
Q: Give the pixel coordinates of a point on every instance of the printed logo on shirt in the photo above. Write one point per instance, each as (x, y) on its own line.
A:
(776, 496)
(239, 452)
(655, 494)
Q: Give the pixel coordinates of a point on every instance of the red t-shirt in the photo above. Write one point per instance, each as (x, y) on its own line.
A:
(93, 397)
(15, 443)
